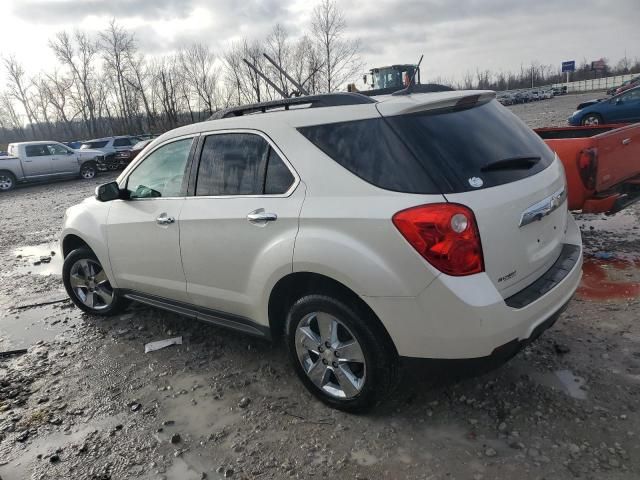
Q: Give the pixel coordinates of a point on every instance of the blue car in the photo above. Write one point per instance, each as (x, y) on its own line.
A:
(622, 108)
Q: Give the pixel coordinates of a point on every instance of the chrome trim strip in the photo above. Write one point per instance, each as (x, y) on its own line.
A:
(544, 207)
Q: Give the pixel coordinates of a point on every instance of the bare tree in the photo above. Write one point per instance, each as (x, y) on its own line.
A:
(18, 86)
(78, 56)
(340, 55)
(197, 64)
(118, 46)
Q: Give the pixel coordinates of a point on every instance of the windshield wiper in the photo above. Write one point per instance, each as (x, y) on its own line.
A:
(523, 162)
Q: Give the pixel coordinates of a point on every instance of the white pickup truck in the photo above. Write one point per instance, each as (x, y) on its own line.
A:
(44, 160)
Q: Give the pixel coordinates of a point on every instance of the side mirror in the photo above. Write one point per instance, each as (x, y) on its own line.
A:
(108, 191)
(70, 152)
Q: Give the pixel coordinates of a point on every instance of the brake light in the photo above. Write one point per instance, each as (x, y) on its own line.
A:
(588, 167)
(445, 234)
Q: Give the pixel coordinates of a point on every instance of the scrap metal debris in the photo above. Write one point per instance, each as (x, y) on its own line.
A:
(153, 346)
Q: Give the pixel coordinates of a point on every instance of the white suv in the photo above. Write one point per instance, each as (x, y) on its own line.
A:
(426, 225)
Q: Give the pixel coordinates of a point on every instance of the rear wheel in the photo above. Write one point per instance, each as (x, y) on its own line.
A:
(592, 119)
(337, 354)
(88, 286)
(7, 181)
(88, 171)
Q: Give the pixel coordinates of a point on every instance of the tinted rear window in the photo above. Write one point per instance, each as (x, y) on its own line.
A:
(460, 143)
(372, 151)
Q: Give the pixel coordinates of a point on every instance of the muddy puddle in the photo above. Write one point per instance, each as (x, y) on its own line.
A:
(43, 259)
(610, 278)
(24, 328)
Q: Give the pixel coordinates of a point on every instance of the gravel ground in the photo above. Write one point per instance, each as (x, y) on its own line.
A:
(87, 402)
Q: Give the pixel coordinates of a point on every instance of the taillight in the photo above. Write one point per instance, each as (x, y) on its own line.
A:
(588, 167)
(445, 234)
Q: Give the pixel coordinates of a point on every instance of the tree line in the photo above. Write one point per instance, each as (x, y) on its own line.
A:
(104, 85)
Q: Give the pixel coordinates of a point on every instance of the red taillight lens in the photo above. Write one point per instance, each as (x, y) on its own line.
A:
(588, 167)
(445, 234)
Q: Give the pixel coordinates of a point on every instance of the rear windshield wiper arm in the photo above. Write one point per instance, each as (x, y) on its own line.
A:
(523, 162)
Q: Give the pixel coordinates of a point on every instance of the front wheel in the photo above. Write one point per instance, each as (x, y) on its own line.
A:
(339, 354)
(88, 286)
(88, 171)
(592, 119)
(7, 181)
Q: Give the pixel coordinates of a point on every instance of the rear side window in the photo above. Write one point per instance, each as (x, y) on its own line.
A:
(372, 151)
(479, 147)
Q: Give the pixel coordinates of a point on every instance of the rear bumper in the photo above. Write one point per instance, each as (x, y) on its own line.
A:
(465, 317)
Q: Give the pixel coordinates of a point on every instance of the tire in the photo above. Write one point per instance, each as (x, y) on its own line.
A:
(88, 171)
(7, 181)
(82, 274)
(323, 368)
(592, 119)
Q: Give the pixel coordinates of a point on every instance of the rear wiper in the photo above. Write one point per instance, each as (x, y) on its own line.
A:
(512, 163)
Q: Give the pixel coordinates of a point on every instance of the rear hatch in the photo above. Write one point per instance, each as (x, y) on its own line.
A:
(489, 160)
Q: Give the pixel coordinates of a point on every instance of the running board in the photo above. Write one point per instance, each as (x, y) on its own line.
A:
(220, 319)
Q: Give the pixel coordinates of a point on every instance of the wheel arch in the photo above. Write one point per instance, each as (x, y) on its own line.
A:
(72, 242)
(295, 285)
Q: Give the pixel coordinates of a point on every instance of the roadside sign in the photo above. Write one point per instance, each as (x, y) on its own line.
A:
(569, 66)
(598, 65)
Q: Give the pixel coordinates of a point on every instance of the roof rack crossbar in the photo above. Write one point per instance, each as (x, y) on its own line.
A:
(314, 101)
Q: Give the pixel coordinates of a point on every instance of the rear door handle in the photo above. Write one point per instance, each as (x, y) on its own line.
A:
(163, 219)
(260, 217)
(626, 141)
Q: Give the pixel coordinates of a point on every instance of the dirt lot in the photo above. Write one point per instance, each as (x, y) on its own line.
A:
(87, 402)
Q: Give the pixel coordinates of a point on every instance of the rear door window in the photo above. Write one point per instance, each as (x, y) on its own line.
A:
(278, 178)
(40, 150)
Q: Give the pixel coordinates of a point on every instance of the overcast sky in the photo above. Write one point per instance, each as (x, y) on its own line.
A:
(454, 35)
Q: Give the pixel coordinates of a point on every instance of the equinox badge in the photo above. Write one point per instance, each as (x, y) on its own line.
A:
(541, 209)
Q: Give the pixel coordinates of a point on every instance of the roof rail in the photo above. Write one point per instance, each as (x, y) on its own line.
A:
(314, 101)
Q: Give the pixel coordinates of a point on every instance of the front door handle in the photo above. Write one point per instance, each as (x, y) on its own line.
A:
(626, 141)
(163, 219)
(260, 217)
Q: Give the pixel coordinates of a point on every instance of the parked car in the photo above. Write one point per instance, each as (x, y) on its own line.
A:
(535, 95)
(560, 90)
(412, 237)
(138, 147)
(621, 108)
(629, 84)
(75, 145)
(39, 161)
(111, 146)
(601, 163)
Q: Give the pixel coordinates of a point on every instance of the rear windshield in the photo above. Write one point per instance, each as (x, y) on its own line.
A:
(473, 146)
(435, 152)
(85, 146)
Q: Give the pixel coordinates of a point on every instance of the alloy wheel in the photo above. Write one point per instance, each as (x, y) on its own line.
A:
(591, 121)
(6, 182)
(88, 173)
(90, 284)
(330, 355)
